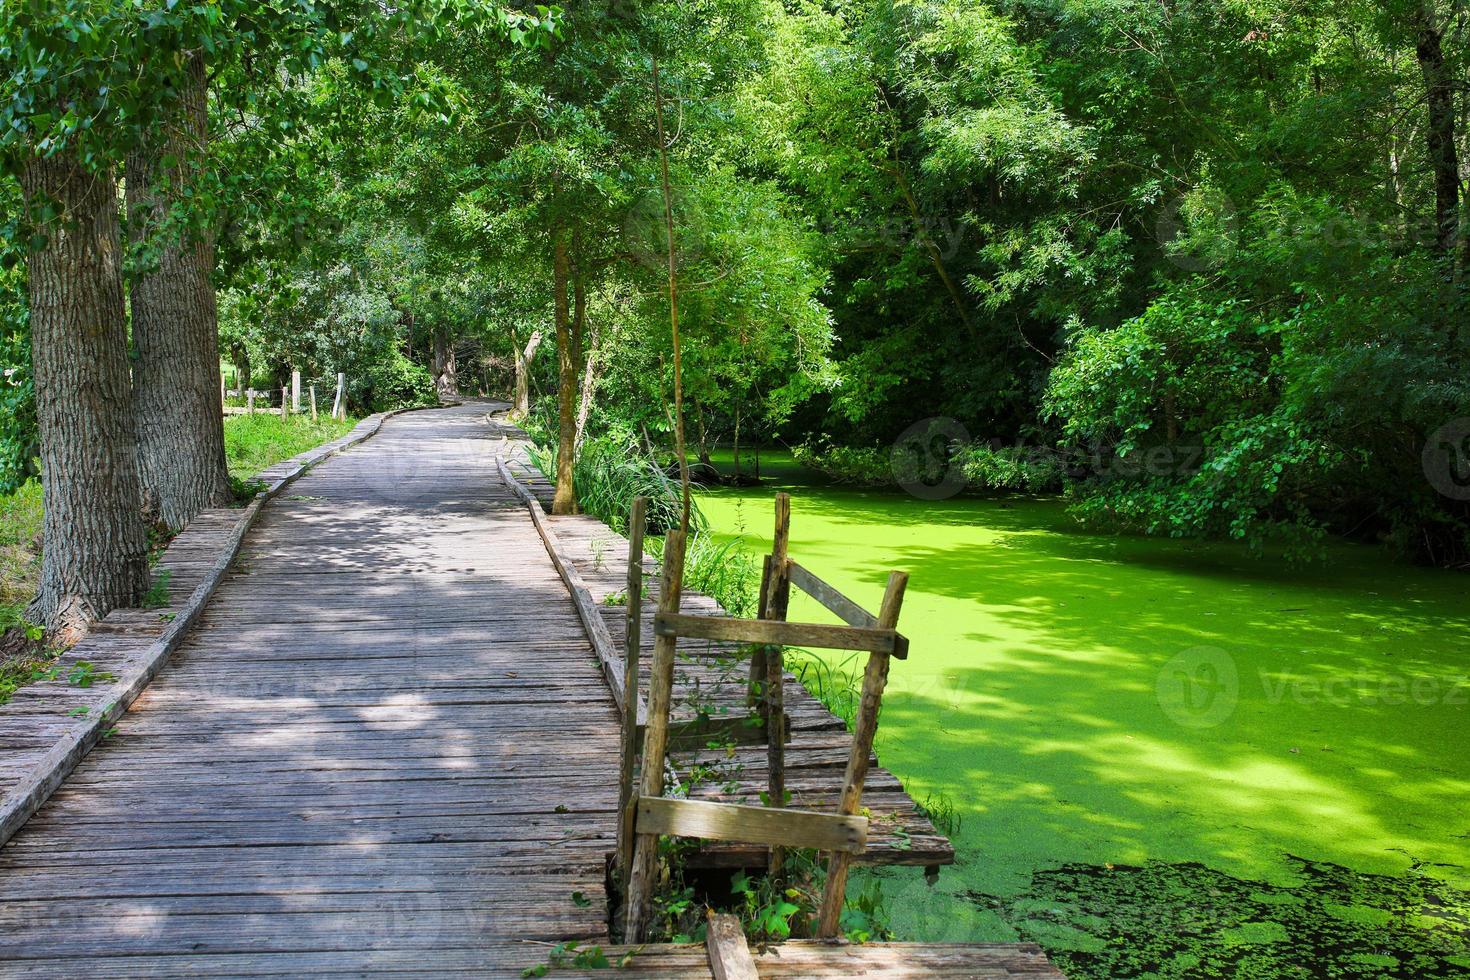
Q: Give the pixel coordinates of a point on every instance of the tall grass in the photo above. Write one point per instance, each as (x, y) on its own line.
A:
(725, 572)
(608, 475)
(838, 686)
(253, 442)
(20, 550)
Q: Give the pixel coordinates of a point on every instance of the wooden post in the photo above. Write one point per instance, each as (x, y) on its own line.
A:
(285, 404)
(313, 403)
(753, 697)
(638, 899)
(296, 391)
(780, 544)
(875, 678)
(250, 402)
(778, 596)
(339, 407)
(633, 638)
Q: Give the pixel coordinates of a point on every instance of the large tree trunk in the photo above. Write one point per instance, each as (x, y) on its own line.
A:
(1443, 155)
(181, 439)
(94, 545)
(523, 373)
(446, 373)
(565, 499)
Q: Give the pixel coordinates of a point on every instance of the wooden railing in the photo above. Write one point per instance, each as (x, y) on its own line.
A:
(646, 814)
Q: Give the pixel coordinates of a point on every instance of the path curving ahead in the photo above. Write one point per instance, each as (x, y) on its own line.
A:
(386, 746)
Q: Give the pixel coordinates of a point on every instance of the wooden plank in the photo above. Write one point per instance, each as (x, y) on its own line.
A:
(773, 687)
(774, 826)
(772, 633)
(844, 608)
(729, 953)
(865, 729)
(840, 605)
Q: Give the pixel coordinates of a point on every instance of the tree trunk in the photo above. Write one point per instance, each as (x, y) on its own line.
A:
(181, 439)
(737, 443)
(704, 458)
(242, 369)
(584, 398)
(94, 545)
(565, 499)
(1443, 155)
(446, 374)
(523, 373)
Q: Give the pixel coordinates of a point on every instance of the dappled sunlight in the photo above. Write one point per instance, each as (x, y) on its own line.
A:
(399, 712)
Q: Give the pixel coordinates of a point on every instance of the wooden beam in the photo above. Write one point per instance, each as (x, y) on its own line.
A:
(840, 605)
(773, 633)
(774, 705)
(775, 826)
(729, 953)
(865, 728)
(845, 609)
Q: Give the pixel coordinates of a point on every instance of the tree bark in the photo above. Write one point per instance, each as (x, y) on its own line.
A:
(1440, 135)
(94, 545)
(565, 499)
(523, 373)
(585, 396)
(446, 374)
(181, 439)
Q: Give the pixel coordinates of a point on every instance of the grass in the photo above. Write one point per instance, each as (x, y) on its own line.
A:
(253, 442)
(1115, 726)
(20, 552)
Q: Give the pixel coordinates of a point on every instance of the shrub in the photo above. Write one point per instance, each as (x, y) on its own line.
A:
(846, 464)
(1028, 469)
(395, 382)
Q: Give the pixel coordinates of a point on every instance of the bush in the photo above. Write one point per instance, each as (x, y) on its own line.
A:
(18, 441)
(1026, 469)
(396, 382)
(845, 464)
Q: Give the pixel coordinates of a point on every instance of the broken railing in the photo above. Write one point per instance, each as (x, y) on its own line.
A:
(646, 813)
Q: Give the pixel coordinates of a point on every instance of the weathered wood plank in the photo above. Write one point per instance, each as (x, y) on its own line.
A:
(729, 953)
(772, 826)
(773, 633)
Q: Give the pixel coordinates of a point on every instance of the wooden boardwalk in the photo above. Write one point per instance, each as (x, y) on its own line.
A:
(386, 748)
(386, 734)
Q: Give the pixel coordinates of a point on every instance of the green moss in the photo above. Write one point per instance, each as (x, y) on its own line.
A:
(1089, 699)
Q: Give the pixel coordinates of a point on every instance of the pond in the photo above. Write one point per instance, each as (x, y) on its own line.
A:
(1169, 758)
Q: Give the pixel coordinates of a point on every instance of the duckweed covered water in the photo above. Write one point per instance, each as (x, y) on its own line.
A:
(1132, 730)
